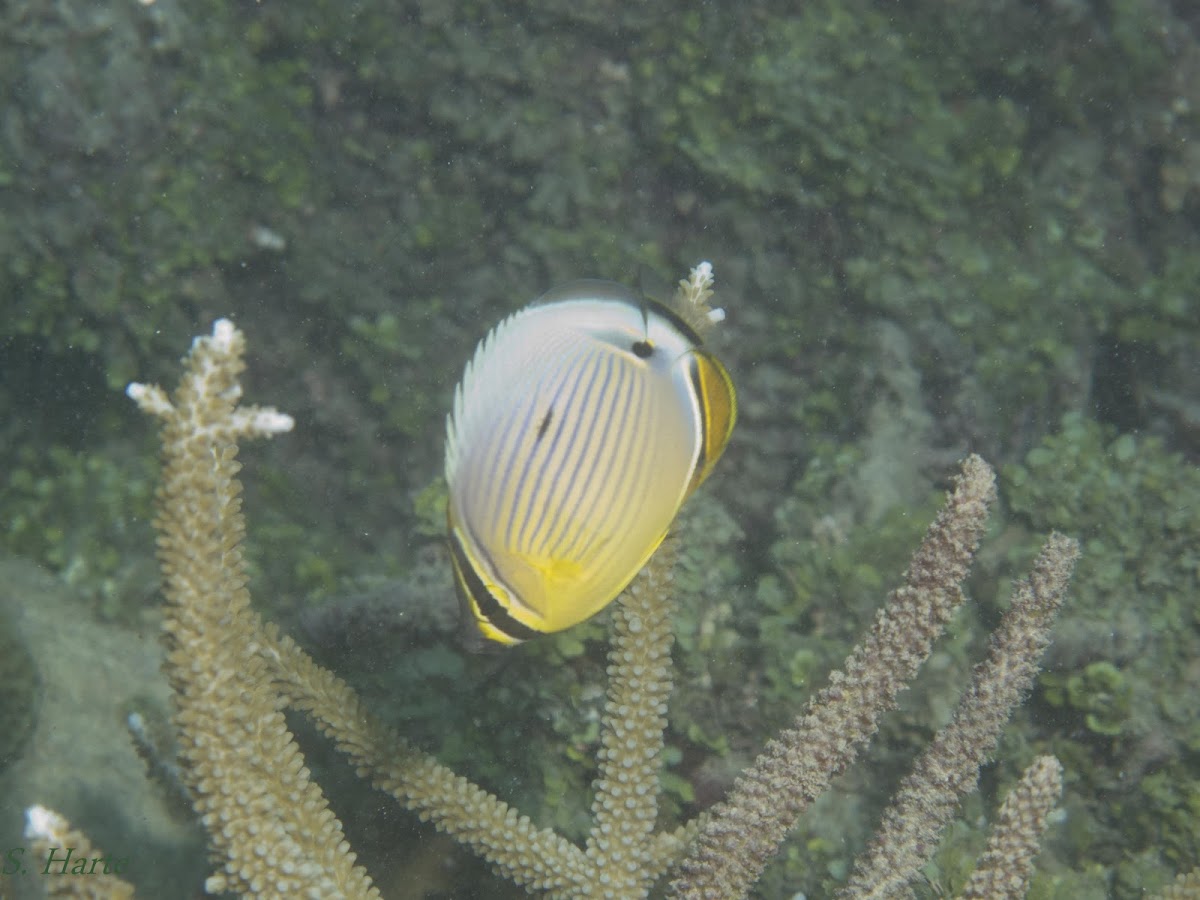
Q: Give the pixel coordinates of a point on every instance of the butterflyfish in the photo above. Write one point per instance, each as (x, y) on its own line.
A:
(580, 426)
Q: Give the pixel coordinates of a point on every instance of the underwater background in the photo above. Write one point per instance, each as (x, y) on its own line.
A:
(936, 229)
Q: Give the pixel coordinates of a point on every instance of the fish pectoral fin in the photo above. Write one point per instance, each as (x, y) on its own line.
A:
(539, 579)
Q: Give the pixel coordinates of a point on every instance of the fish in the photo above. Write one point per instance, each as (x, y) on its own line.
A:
(580, 426)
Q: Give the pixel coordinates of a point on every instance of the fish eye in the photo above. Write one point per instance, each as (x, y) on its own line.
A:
(643, 349)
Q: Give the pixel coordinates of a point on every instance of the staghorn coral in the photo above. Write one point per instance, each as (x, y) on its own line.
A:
(266, 818)
(1038, 66)
(81, 871)
(271, 831)
(1007, 863)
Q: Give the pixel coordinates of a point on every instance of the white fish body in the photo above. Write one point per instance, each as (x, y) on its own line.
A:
(579, 428)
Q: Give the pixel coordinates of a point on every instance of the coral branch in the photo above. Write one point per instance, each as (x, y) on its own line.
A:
(949, 767)
(635, 717)
(746, 829)
(529, 856)
(267, 820)
(52, 838)
(1006, 866)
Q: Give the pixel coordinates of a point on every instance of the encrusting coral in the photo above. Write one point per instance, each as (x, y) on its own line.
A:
(273, 835)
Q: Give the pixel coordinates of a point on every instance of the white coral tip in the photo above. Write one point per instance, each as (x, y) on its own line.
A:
(44, 823)
(222, 336)
(271, 421)
(149, 398)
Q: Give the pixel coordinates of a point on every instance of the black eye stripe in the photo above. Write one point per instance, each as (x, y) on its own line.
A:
(643, 349)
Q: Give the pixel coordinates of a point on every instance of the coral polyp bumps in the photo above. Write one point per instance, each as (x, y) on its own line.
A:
(269, 825)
